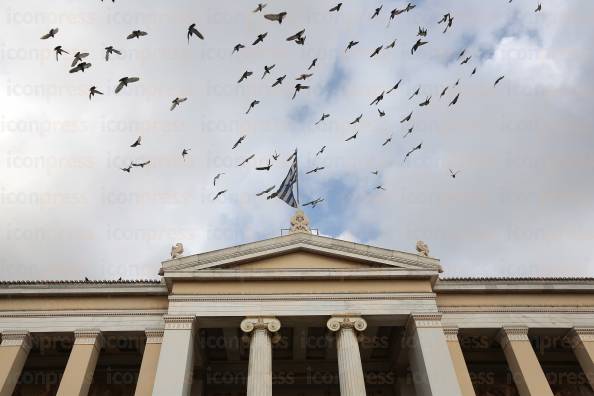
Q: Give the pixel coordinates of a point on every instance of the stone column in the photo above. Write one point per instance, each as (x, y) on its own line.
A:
(430, 362)
(451, 334)
(80, 368)
(582, 342)
(150, 358)
(350, 369)
(176, 359)
(259, 382)
(14, 350)
(523, 363)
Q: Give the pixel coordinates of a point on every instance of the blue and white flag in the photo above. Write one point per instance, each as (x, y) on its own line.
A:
(285, 192)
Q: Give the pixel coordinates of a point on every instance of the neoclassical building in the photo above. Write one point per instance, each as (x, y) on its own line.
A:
(299, 315)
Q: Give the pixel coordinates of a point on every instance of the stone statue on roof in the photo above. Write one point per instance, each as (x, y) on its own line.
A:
(177, 250)
(423, 249)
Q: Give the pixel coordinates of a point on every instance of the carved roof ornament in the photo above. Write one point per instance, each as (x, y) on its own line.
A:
(299, 223)
(423, 249)
(177, 250)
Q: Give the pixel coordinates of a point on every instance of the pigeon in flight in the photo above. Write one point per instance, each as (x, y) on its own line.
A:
(395, 12)
(275, 156)
(141, 164)
(136, 34)
(444, 91)
(453, 174)
(124, 81)
(462, 53)
(388, 140)
(380, 187)
(412, 151)
(417, 45)
(422, 32)
(409, 7)
(426, 102)
(128, 169)
(279, 80)
(193, 31)
(217, 177)
(357, 120)
(184, 153)
(52, 33)
(448, 24)
(395, 87)
(453, 102)
(377, 11)
(80, 67)
(376, 51)
(351, 45)
(237, 48)
(314, 203)
(109, 51)
(336, 7)
(267, 70)
(498, 80)
(473, 72)
(313, 64)
(260, 7)
(238, 142)
(352, 137)
(538, 8)
(245, 161)
(276, 17)
(298, 88)
(407, 118)
(78, 57)
(315, 170)
(297, 36)
(269, 189)
(60, 51)
(175, 102)
(415, 93)
(378, 99)
(324, 116)
(304, 77)
(252, 105)
(466, 60)
(219, 194)
(321, 151)
(444, 18)
(266, 168)
(381, 113)
(260, 38)
(93, 90)
(391, 45)
(409, 131)
(137, 142)
(375, 172)
(245, 75)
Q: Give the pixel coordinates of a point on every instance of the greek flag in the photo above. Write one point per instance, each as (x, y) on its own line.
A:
(285, 192)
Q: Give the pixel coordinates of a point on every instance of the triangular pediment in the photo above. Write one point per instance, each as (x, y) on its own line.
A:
(301, 251)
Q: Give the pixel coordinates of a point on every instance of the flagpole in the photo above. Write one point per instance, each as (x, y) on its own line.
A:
(297, 180)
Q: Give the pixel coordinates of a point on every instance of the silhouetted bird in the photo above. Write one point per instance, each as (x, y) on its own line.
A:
(351, 45)
(417, 45)
(336, 7)
(136, 34)
(267, 70)
(80, 67)
(60, 51)
(175, 102)
(498, 80)
(219, 194)
(124, 81)
(192, 31)
(93, 90)
(260, 38)
(137, 142)
(110, 50)
(298, 88)
(252, 105)
(52, 33)
(276, 17)
(237, 48)
(279, 80)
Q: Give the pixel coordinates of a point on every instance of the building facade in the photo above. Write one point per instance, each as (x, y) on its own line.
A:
(299, 315)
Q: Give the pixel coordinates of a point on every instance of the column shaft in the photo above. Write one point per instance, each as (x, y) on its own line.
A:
(430, 361)
(451, 334)
(260, 366)
(176, 358)
(523, 363)
(80, 368)
(150, 359)
(14, 350)
(582, 342)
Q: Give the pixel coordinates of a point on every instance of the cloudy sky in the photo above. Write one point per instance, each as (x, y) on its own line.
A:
(522, 204)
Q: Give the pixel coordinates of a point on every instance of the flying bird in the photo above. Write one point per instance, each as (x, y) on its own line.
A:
(252, 105)
(376, 51)
(498, 80)
(538, 8)
(388, 140)
(409, 7)
(238, 142)
(454, 101)
(448, 24)
(297, 36)
(60, 51)
(267, 70)
(93, 90)
(409, 131)
(52, 33)
(417, 45)
(313, 64)
(380, 187)
(324, 116)
(245, 161)
(453, 174)
(314, 203)
(298, 88)
(315, 170)
(80, 67)
(267, 167)
(260, 38)
(269, 189)
(321, 151)
(352, 137)
(245, 75)
(109, 51)
(304, 77)
(375, 172)
(124, 81)
(336, 7)
(378, 99)
(407, 118)
(260, 7)
(128, 169)
(275, 155)
(381, 113)
(466, 60)
(137, 142)
(219, 194)
(377, 11)
(356, 120)
(395, 87)
(78, 57)
(279, 80)
(184, 153)
(444, 91)
(141, 164)
(192, 31)
(276, 17)
(351, 45)
(237, 48)
(391, 45)
(426, 102)
(444, 18)
(415, 93)
(175, 102)
(136, 34)
(462, 53)
(473, 72)
(422, 32)
(412, 151)
(217, 177)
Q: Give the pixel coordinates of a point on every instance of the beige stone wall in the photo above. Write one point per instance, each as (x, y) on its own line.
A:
(42, 303)
(514, 299)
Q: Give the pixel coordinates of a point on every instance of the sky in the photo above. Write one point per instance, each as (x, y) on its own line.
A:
(522, 204)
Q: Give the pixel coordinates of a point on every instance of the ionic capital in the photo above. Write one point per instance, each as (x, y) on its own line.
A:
(255, 323)
(338, 322)
(20, 338)
(509, 334)
(154, 336)
(88, 337)
(179, 322)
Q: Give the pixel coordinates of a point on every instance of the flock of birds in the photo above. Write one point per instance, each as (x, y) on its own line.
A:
(79, 64)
